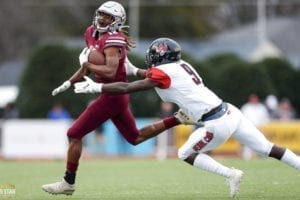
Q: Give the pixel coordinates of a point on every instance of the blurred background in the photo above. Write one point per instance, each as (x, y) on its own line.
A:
(240, 48)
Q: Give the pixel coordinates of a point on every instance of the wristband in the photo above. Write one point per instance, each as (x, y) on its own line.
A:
(67, 83)
(99, 87)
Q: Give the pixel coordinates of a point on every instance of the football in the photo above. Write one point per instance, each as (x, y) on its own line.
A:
(96, 57)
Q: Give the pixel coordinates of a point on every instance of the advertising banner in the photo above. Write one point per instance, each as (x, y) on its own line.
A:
(34, 139)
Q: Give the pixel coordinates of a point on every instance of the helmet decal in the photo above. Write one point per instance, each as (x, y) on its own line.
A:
(161, 48)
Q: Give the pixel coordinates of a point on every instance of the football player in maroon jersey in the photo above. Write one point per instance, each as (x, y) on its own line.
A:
(107, 37)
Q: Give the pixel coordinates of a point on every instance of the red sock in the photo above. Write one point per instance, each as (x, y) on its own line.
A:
(170, 122)
(72, 167)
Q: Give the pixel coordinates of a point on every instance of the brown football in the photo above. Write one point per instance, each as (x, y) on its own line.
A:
(96, 57)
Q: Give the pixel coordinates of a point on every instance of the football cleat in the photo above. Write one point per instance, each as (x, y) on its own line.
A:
(60, 187)
(234, 181)
(184, 118)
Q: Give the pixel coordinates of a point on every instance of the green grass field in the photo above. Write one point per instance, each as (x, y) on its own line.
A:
(136, 179)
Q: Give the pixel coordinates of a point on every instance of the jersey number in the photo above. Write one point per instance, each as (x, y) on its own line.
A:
(195, 76)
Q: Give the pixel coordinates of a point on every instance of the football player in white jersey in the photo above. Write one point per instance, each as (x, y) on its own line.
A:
(177, 81)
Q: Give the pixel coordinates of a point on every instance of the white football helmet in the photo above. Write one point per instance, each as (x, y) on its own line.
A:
(113, 9)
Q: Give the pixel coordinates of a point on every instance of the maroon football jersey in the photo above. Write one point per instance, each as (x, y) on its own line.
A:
(106, 40)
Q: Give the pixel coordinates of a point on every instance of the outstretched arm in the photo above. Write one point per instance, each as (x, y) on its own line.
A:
(122, 87)
(89, 86)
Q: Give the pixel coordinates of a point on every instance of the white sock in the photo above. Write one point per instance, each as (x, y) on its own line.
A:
(207, 163)
(291, 159)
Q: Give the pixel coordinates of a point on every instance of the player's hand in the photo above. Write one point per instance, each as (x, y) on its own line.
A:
(87, 86)
(130, 68)
(183, 118)
(63, 87)
(84, 55)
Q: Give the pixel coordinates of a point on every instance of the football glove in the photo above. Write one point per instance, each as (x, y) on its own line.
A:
(84, 56)
(185, 119)
(87, 86)
(130, 68)
(63, 87)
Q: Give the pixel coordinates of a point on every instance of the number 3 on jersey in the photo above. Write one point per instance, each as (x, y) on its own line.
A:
(190, 71)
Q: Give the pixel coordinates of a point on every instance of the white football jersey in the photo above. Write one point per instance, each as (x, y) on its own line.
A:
(186, 89)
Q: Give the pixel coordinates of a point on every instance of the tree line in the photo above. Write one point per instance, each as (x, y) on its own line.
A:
(231, 77)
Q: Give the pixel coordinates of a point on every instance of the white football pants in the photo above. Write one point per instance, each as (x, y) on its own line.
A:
(216, 132)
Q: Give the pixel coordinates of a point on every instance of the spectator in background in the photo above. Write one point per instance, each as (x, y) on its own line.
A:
(255, 110)
(1, 112)
(99, 134)
(166, 109)
(271, 103)
(58, 112)
(164, 140)
(285, 110)
(10, 111)
(258, 114)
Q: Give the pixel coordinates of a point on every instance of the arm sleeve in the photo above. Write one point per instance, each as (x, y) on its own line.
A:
(159, 76)
(115, 40)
